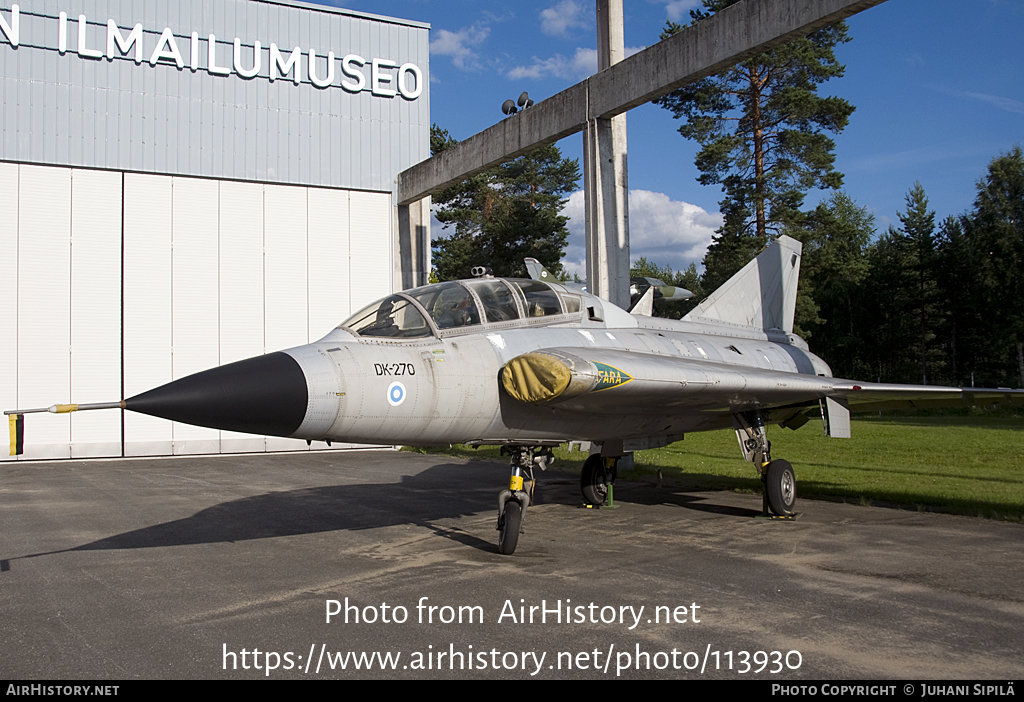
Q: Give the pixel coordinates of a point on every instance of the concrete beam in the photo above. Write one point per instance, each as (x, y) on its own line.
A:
(730, 36)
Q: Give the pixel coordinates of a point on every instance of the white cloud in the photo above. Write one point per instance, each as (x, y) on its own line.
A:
(668, 232)
(582, 64)
(679, 10)
(458, 44)
(557, 20)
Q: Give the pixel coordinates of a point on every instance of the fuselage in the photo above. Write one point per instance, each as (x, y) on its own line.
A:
(423, 367)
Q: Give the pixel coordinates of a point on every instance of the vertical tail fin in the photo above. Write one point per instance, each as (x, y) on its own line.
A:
(762, 294)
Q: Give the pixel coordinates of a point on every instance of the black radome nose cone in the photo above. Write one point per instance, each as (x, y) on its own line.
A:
(262, 395)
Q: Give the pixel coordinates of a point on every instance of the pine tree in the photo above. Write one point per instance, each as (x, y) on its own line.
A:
(996, 226)
(505, 214)
(887, 302)
(901, 298)
(963, 292)
(918, 234)
(835, 236)
(761, 128)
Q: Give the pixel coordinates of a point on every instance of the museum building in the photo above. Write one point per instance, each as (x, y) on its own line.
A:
(184, 185)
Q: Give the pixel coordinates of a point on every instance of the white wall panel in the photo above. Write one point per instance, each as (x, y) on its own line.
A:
(213, 272)
(8, 294)
(241, 271)
(241, 287)
(369, 218)
(286, 278)
(44, 316)
(147, 306)
(194, 295)
(95, 310)
(286, 267)
(329, 274)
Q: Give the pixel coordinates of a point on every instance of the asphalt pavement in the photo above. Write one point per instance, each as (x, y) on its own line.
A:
(380, 564)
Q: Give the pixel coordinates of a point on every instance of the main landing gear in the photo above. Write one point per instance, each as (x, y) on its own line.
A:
(778, 480)
(513, 500)
(597, 478)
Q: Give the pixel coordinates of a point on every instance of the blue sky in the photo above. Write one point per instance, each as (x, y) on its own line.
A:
(938, 86)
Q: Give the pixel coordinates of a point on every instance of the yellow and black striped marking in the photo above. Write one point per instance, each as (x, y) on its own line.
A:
(16, 424)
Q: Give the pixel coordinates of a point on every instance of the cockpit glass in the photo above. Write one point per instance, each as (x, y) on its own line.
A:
(572, 303)
(499, 304)
(393, 317)
(449, 304)
(541, 301)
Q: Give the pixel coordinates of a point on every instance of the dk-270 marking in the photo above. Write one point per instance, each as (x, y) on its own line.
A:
(394, 368)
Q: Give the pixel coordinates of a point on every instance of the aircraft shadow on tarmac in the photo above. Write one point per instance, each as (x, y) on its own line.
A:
(442, 492)
(688, 498)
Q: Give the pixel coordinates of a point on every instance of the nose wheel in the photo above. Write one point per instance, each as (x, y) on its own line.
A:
(510, 525)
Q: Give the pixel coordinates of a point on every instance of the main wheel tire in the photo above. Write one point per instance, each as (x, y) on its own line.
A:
(593, 480)
(511, 523)
(780, 483)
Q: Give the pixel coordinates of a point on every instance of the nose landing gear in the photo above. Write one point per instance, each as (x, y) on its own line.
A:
(513, 500)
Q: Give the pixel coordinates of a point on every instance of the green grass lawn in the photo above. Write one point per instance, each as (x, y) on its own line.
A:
(970, 464)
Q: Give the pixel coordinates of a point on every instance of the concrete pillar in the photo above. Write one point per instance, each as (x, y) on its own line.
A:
(606, 185)
(412, 242)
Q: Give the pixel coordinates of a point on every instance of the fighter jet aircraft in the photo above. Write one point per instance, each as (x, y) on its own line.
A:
(529, 364)
(638, 285)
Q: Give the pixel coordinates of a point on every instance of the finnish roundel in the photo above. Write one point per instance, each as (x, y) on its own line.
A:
(396, 394)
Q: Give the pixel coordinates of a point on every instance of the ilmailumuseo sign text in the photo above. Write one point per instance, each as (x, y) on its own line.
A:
(381, 76)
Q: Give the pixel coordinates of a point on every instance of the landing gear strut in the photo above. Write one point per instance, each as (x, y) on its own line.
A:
(778, 480)
(513, 500)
